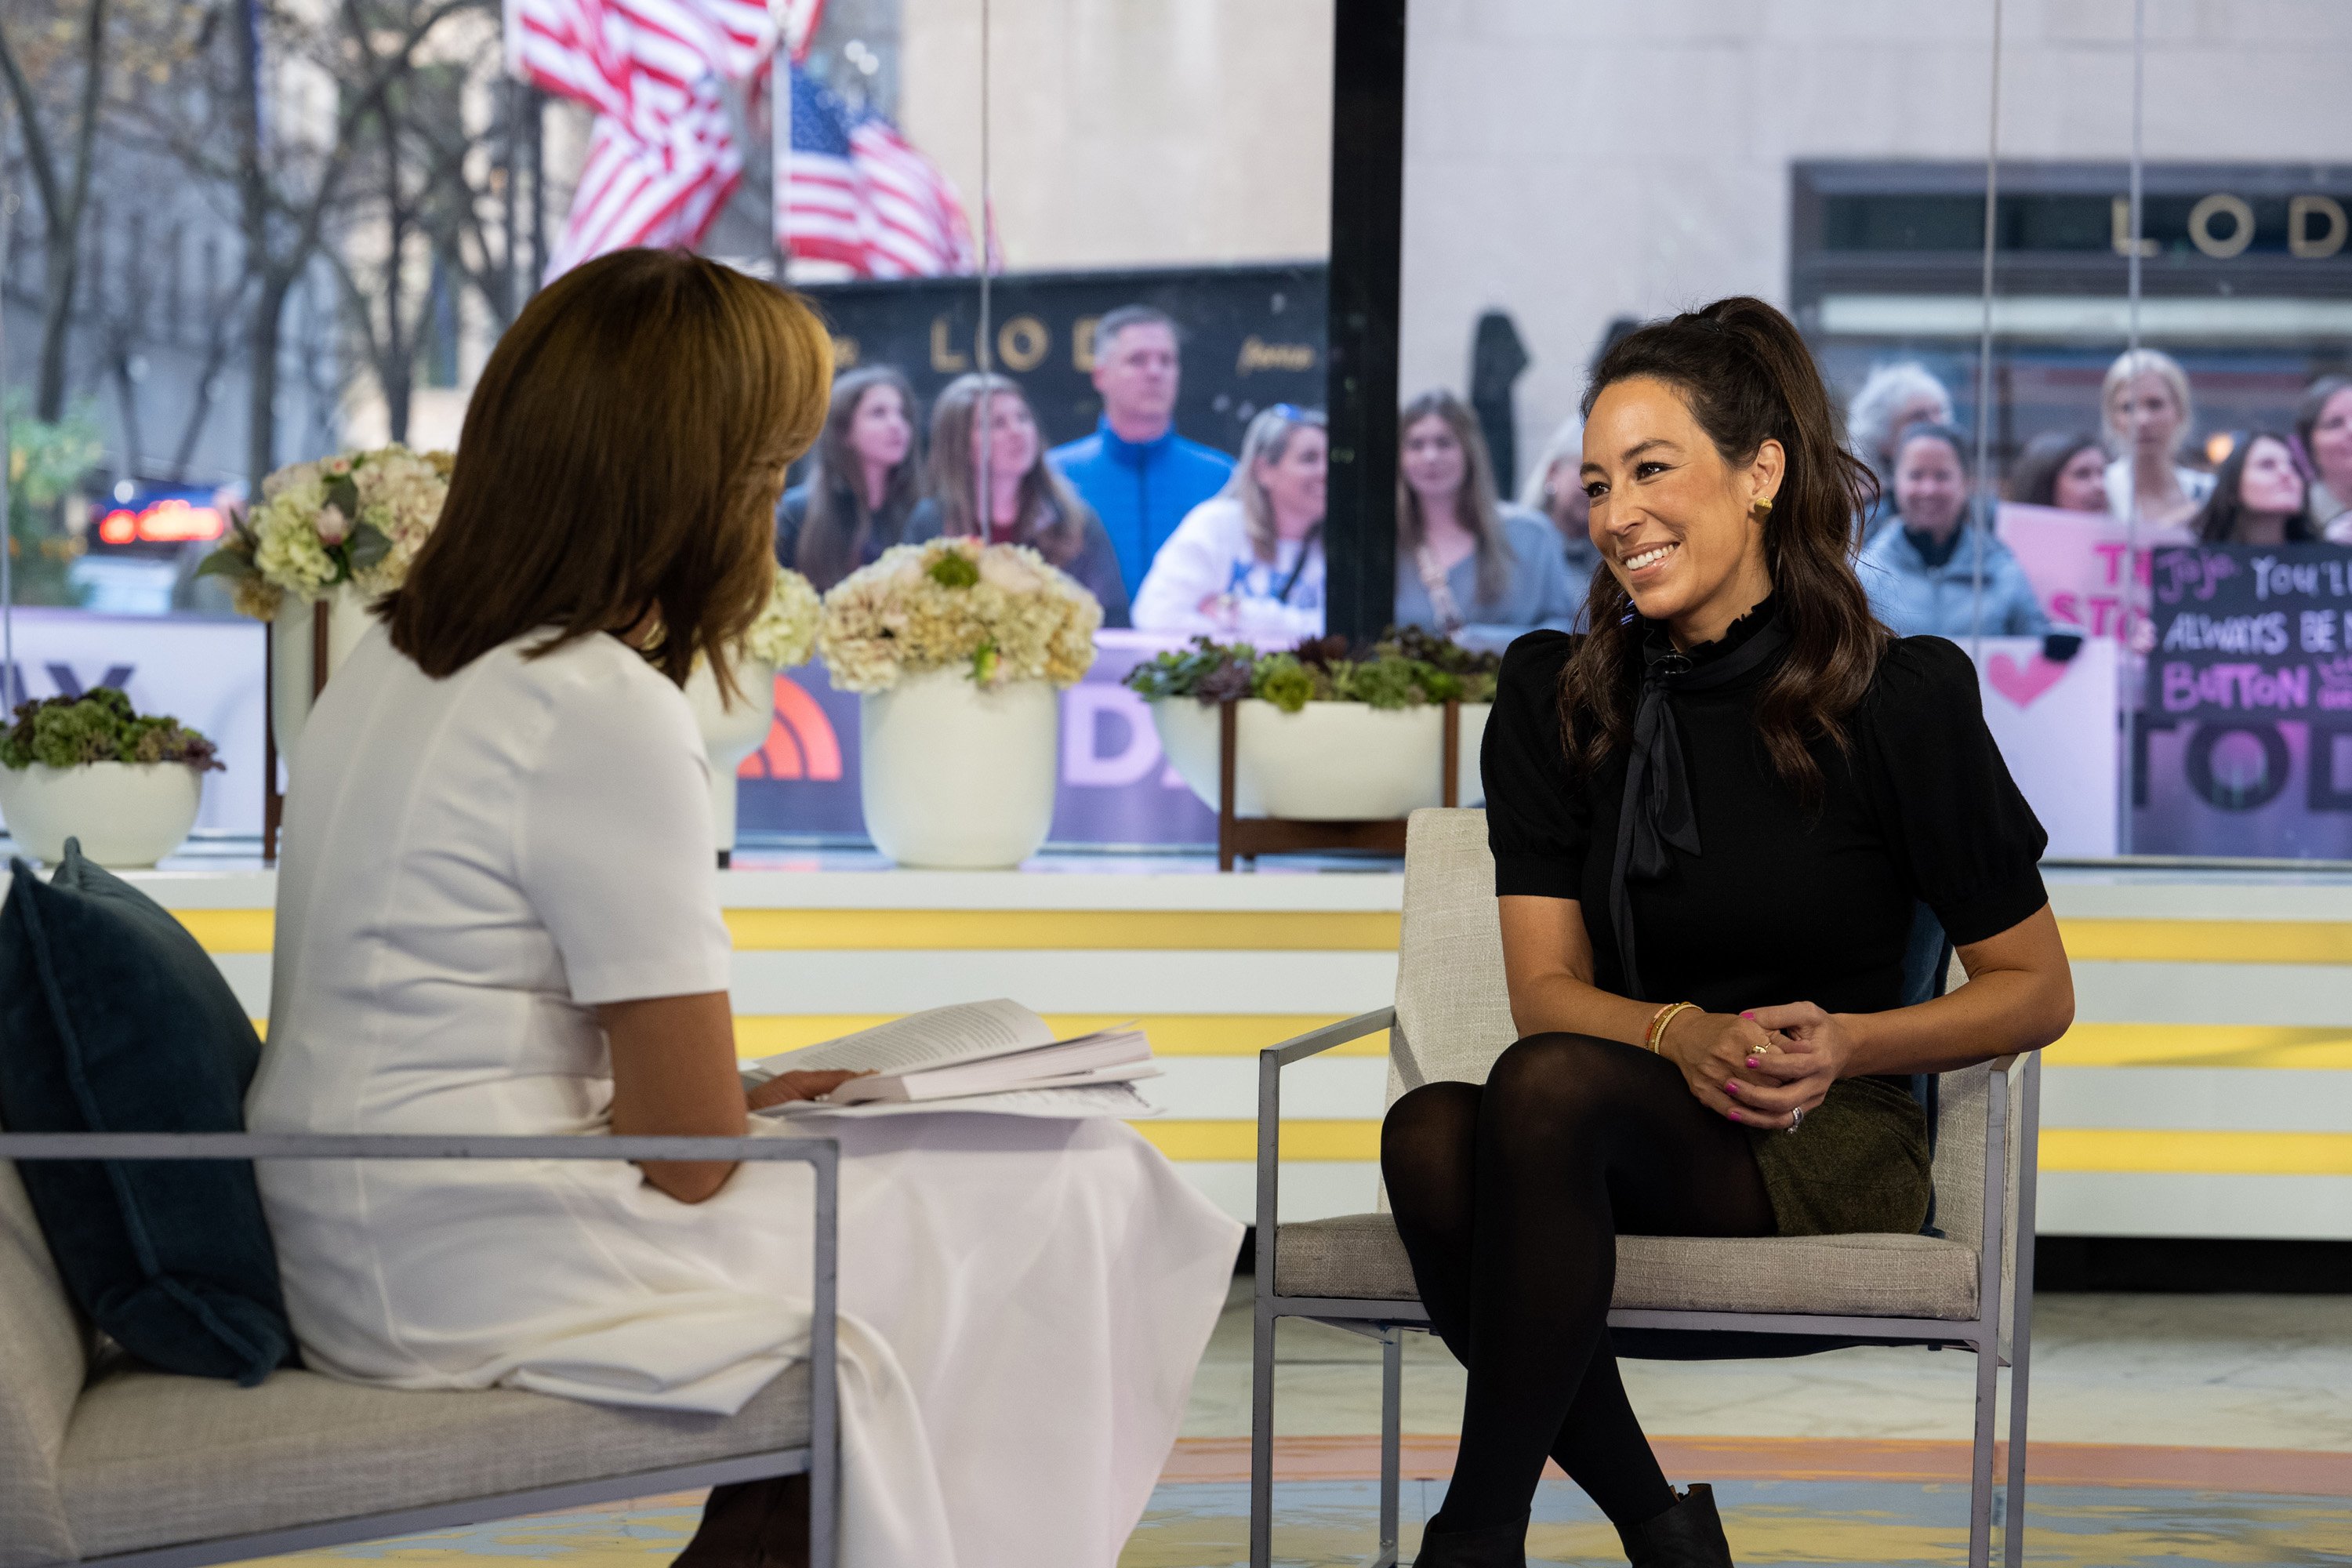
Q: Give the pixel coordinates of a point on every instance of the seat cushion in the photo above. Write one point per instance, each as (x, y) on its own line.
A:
(44, 1357)
(153, 1459)
(112, 1019)
(1358, 1256)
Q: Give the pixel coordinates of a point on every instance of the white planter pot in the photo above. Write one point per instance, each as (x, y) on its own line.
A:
(291, 648)
(730, 734)
(955, 776)
(125, 814)
(1330, 762)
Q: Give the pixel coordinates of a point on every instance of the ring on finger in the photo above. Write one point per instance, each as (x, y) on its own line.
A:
(1796, 1118)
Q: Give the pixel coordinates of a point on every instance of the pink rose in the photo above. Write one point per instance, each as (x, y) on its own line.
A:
(333, 526)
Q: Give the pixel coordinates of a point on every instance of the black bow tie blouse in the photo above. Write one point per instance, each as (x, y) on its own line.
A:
(1783, 902)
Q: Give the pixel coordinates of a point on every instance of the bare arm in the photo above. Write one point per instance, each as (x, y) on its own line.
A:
(1548, 966)
(674, 1076)
(2019, 996)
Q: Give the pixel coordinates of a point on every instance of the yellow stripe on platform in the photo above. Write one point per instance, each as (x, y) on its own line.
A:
(1172, 1034)
(229, 930)
(2200, 1046)
(2063, 1148)
(2208, 942)
(1165, 931)
(1349, 1141)
(2197, 1154)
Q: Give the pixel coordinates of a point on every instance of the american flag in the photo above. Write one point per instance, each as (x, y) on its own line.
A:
(662, 158)
(857, 194)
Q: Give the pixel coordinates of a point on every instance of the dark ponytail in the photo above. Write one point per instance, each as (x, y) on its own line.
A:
(1747, 378)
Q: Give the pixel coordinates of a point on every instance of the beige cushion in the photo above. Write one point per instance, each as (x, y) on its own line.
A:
(152, 1458)
(1453, 1017)
(44, 1356)
(1358, 1258)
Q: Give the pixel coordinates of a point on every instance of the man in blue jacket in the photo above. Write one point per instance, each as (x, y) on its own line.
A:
(1138, 475)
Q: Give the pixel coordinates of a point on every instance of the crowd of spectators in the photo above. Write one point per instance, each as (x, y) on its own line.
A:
(1199, 542)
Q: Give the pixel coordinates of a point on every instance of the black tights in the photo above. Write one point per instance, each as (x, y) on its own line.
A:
(1509, 1199)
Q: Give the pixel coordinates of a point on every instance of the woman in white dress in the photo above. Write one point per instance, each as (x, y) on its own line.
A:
(497, 914)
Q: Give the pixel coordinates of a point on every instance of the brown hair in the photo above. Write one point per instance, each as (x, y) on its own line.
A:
(839, 524)
(1053, 518)
(2217, 521)
(1747, 377)
(621, 458)
(1476, 505)
(2034, 480)
(2316, 399)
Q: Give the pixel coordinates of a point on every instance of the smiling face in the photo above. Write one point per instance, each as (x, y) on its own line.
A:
(1434, 464)
(879, 431)
(1295, 482)
(1008, 435)
(1930, 486)
(2082, 484)
(2270, 483)
(1675, 522)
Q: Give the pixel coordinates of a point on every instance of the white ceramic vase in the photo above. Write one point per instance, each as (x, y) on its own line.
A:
(1330, 762)
(292, 644)
(731, 732)
(958, 776)
(125, 814)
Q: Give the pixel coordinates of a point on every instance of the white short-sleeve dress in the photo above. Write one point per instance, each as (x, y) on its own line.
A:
(470, 867)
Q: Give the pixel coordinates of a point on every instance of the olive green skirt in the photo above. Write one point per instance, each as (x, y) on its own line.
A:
(1858, 1163)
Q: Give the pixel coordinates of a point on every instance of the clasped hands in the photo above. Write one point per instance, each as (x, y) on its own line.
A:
(1760, 1066)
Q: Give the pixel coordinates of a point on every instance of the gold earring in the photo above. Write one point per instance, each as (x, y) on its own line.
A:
(1763, 508)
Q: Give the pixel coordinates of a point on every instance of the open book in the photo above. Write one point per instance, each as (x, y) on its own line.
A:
(975, 1056)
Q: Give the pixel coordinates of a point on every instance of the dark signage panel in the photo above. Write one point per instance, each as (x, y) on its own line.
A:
(1250, 337)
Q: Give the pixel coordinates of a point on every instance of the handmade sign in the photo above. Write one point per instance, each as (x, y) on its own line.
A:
(2251, 630)
(2055, 721)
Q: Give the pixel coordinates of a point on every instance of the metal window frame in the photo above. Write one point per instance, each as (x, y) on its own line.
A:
(1386, 1321)
(820, 1458)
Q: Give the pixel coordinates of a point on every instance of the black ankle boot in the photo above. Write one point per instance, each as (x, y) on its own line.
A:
(1687, 1535)
(1496, 1546)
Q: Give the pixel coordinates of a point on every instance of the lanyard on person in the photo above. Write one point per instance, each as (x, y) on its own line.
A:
(1297, 567)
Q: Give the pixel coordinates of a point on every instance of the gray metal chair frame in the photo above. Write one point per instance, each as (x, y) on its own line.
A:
(1386, 1321)
(820, 1459)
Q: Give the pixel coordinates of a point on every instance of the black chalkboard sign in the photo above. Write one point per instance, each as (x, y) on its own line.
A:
(2242, 630)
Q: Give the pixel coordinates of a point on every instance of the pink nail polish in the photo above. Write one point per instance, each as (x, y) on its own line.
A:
(1731, 1086)
(1751, 1061)
(1733, 1115)
(1750, 1015)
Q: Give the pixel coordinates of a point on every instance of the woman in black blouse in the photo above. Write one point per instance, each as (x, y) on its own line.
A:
(1711, 820)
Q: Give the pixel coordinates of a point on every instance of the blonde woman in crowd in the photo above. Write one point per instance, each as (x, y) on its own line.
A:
(2144, 402)
(1248, 563)
(1553, 491)
(1465, 560)
(2323, 426)
(984, 440)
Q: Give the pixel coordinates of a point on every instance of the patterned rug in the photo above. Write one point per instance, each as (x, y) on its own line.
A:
(1796, 1503)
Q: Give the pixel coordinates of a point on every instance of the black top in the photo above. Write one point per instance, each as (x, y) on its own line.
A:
(1783, 903)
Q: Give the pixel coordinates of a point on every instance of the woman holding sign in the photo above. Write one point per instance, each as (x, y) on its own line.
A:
(1712, 817)
(2259, 496)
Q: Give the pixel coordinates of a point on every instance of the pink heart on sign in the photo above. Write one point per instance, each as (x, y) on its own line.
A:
(2023, 686)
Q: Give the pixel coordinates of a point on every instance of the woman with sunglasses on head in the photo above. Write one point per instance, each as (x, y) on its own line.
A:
(1248, 563)
(1712, 817)
(1467, 565)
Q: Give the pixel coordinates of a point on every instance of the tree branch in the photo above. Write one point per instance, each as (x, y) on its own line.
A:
(37, 141)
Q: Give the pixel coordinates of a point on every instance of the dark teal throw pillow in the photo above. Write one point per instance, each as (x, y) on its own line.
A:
(112, 1019)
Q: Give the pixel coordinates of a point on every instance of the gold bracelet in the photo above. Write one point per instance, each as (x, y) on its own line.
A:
(1659, 1020)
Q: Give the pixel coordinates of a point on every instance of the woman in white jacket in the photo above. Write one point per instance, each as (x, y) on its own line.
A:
(1248, 562)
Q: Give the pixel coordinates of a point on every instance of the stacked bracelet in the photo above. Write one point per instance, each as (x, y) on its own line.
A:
(1660, 1019)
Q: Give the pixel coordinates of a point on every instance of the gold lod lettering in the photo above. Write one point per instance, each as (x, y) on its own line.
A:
(2300, 241)
(2200, 225)
(1023, 344)
(944, 357)
(1082, 344)
(2120, 228)
(844, 354)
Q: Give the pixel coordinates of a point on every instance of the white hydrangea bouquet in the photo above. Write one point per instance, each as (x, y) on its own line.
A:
(356, 517)
(997, 610)
(786, 633)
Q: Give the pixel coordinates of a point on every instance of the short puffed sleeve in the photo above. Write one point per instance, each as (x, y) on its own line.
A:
(1956, 823)
(613, 841)
(1536, 825)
